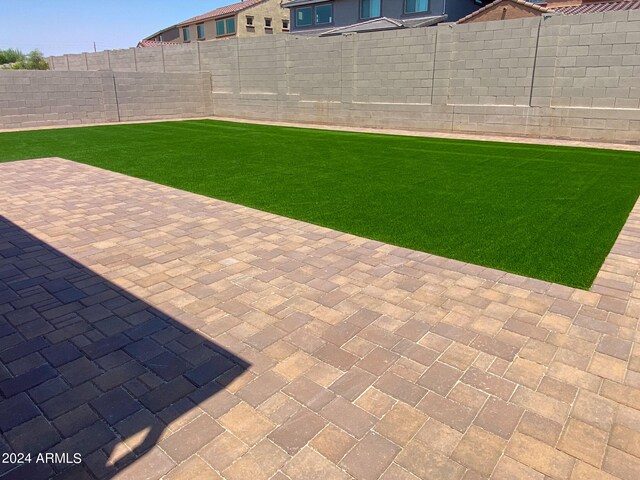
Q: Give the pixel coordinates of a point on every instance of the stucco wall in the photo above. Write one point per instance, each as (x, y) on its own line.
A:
(269, 9)
(259, 12)
(563, 76)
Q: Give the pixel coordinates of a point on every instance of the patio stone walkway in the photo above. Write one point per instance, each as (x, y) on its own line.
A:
(163, 334)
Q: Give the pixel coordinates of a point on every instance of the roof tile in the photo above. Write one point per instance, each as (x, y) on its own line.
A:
(530, 5)
(597, 7)
(218, 12)
(154, 43)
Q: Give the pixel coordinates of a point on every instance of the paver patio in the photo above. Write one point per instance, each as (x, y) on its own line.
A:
(164, 334)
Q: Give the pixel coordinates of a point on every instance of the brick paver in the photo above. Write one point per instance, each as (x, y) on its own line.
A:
(163, 334)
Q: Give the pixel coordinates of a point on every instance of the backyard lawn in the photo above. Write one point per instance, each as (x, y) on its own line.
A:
(547, 212)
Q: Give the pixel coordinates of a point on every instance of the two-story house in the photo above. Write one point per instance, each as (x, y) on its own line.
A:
(334, 17)
(166, 36)
(241, 19)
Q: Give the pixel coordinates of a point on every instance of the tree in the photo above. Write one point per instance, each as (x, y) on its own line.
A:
(10, 55)
(15, 59)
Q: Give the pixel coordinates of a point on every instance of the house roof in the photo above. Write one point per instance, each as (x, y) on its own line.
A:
(295, 3)
(153, 43)
(159, 32)
(384, 23)
(565, 10)
(491, 5)
(415, 22)
(219, 12)
(598, 7)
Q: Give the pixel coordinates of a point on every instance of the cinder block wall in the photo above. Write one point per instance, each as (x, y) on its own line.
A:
(560, 76)
(41, 98)
(144, 96)
(37, 98)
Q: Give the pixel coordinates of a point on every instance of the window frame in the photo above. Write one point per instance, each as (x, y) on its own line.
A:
(220, 23)
(268, 23)
(204, 33)
(249, 19)
(315, 14)
(310, 24)
(225, 25)
(186, 34)
(379, 10)
(404, 8)
(286, 23)
(313, 22)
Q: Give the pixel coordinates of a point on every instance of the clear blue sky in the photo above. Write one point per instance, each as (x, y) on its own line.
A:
(67, 26)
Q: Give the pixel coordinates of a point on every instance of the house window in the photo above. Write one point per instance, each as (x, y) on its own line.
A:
(267, 23)
(219, 27)
(304, 17)
(226, 26)
(415, 6)
(200, 29)
(307, 16)
(186, 34)
(370, 8)
(230, 24)
(285, 24)
(249, 21)
(324, 14)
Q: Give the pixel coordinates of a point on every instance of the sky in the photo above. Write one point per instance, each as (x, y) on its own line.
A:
(71, 26)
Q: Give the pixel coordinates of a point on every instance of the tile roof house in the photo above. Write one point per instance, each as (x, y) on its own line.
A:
(335, 17)
(166, 36)
(241, 19)
(511, 9)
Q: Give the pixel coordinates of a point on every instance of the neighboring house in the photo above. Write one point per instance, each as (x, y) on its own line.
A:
(506, 10)
(167, 35)
(510, 9)
(242, 19)
(334, 17)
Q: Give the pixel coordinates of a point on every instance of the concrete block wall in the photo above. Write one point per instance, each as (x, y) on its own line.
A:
(98, 61)
(40, 98)
(145, 96)
(396, 67)
(59, 63)
(492, 66)
(78, 62)
(220, 59)
(122, 60)
(149, 60)
(179, 58)
(30, 99)
(261, 63)
(318, 77)
(598, 62)
(561, 76)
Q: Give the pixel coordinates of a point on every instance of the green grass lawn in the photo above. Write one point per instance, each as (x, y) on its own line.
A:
(546, 212)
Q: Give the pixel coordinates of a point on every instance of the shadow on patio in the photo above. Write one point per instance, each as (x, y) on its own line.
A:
(87, 368)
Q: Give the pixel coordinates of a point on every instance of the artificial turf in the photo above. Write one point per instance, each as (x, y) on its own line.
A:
(547, 212)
